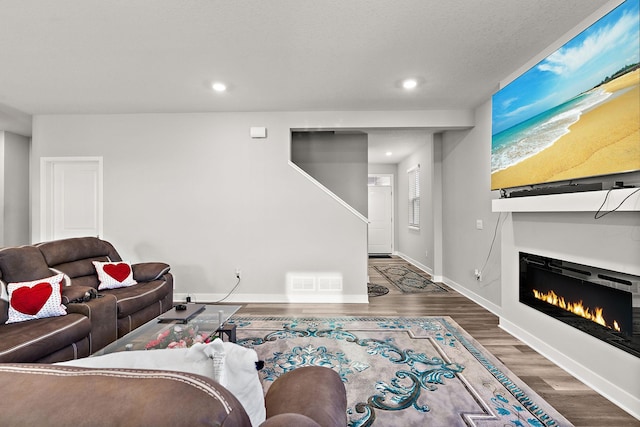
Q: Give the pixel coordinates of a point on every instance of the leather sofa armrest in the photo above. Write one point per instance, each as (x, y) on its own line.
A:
(313, 391)
(149, 271)
(102, 312)
(71, 294)
(4, 311)
(288, 420)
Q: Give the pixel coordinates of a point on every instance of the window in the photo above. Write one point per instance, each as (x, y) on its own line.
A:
(379, 181)
(414, 196)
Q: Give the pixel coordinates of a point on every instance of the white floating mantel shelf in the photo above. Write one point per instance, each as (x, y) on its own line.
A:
(588, 201)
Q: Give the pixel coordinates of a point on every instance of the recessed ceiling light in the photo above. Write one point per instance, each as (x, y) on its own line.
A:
(409, 83)
(388, 153)
(219, 87)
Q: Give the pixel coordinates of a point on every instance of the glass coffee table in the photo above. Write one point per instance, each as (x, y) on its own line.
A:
(178, 329)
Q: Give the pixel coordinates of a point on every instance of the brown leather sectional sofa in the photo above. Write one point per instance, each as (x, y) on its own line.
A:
(43, 394)
(95, 318)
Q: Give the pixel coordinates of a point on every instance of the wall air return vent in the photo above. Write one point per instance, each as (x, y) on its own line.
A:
(303, 283)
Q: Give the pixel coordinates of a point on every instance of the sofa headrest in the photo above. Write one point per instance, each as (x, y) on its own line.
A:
(69, 250)
(23, 264)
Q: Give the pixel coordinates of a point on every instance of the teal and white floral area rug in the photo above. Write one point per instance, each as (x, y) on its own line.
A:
(424, 371)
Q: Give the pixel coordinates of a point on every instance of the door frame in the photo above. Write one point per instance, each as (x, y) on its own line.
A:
(393, 208)
(46, 182)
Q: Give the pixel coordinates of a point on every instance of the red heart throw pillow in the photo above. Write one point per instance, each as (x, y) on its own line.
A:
(31, 300)
(118, 271)
(36, 299)
(114, 275)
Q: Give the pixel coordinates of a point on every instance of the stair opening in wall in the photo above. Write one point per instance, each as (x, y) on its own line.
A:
(600, 302)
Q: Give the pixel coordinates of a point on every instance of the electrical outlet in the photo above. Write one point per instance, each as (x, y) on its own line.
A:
(238, 272)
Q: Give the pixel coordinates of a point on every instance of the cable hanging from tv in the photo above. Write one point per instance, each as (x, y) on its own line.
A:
(600, 213)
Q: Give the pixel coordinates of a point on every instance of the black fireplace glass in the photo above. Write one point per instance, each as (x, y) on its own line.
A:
(594, 300)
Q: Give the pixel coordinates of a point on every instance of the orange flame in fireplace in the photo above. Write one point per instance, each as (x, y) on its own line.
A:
(575, 308)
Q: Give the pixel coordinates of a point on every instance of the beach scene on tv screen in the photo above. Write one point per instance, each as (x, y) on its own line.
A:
(576, 113)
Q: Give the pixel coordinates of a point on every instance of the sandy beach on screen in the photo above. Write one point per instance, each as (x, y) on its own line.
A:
(591, 147)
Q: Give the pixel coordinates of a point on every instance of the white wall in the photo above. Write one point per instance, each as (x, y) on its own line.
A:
(466, 198)
(15, 121)
(338, 160)
(416, 245)
(194, 190)
(14, 189)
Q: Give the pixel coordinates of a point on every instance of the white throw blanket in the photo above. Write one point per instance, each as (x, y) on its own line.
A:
(232, 365)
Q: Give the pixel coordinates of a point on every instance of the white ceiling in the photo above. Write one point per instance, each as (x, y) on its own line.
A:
(399, 142)
(144, 56)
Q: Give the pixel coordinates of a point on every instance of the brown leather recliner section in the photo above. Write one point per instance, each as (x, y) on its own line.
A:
(67, 396)
(32, 340)
(136, 305)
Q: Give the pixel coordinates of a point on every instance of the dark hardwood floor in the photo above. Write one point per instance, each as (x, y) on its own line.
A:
(577, 402)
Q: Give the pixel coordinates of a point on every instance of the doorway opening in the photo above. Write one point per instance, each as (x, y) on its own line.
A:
(381, 219)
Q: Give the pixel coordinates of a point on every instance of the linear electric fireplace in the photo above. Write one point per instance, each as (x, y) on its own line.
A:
(596, 301)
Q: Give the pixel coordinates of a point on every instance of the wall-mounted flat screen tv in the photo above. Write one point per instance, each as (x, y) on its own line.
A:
(575, 114)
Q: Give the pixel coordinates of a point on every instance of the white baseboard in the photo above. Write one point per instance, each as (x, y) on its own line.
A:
(312, 298)
(480, 300)
(607, 389)
(495, 309)
(416, 263)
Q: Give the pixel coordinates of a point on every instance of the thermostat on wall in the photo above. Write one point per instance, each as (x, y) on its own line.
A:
(258, 132)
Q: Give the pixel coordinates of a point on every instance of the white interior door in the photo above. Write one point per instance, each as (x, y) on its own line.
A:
(71, 197)
(380, 220)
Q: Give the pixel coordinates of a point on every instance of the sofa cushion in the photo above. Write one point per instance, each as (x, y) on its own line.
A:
(32, 340)
(80, 268)
(113, 275)
(23, 264)
(36, 299)
(135, 298)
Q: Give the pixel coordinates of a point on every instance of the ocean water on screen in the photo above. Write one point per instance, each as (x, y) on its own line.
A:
(530, 137)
